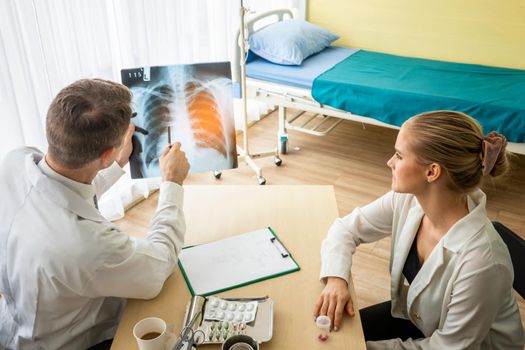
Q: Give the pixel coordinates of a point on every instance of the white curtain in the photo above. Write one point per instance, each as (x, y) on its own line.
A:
(47, 44)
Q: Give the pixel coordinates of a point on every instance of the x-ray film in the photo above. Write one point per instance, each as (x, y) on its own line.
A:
(191, 104)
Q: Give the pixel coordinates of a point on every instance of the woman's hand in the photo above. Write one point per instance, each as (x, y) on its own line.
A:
(334, 300)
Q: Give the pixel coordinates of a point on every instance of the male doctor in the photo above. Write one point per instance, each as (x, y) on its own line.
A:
(65, 271)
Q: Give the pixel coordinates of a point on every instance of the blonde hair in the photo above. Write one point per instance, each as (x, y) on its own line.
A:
(453, 140)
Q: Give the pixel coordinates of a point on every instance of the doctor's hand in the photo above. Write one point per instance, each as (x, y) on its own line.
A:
(174, 165)
(126, 148)
(334, 300)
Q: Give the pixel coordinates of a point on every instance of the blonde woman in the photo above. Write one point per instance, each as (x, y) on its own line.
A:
(451, 274)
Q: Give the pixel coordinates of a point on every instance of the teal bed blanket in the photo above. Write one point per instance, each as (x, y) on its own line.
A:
(392, 88)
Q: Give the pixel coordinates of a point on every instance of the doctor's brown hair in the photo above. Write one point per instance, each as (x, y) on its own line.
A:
(453, 140)
(85, 119)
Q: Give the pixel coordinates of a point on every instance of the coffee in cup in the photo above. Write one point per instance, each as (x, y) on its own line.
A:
(150, 336)
(151, 333)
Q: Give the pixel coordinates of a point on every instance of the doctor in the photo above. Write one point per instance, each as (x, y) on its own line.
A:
(451, 274)
(65, 271)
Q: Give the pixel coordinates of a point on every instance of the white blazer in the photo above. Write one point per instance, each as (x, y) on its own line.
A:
(462, 297)
(65, 271)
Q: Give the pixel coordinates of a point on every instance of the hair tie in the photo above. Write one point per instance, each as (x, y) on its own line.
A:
(493, 143)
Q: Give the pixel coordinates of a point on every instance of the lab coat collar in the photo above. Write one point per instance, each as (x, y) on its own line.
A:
(457, 236)
(86, 191)
(58, 192)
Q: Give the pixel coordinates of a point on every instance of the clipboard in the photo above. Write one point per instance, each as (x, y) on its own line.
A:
(235, 261)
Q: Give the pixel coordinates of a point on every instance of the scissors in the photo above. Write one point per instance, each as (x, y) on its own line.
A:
(189, 337)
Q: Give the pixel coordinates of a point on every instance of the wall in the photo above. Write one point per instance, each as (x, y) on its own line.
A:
(485, 32)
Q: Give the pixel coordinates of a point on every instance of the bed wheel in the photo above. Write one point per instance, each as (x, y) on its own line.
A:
(217, 174)
(261, 180)
(278, 161)
(283, 147)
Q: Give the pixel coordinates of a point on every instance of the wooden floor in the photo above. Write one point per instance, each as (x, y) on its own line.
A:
(353, 159)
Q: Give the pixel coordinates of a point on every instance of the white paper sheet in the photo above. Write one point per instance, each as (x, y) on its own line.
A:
(235, 261)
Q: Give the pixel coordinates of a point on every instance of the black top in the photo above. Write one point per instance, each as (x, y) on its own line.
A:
(412, 264)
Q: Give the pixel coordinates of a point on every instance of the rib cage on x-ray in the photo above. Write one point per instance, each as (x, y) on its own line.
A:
(195, 110)
(205, 117)
(157, 117)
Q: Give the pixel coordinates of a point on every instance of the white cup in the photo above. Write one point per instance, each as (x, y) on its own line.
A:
(151, 333)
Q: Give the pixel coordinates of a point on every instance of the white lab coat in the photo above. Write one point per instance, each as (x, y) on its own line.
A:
(462, 297)
(65, 270)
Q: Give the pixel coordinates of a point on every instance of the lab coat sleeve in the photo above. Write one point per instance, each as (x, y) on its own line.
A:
(471, 312)
(106, 178)
(135, 268)
(365, 224)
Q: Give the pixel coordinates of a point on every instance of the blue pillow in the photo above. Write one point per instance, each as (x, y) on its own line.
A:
(290, 42)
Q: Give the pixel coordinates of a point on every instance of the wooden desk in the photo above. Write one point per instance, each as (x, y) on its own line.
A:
(300, 215)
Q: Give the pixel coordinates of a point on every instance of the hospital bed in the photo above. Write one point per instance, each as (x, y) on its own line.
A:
(380, 89)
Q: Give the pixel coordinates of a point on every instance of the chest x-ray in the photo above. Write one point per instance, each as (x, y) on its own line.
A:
(190, 104)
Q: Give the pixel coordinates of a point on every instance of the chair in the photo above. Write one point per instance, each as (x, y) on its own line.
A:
(516, 246)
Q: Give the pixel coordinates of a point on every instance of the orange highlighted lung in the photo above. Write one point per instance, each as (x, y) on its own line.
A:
(205, 118)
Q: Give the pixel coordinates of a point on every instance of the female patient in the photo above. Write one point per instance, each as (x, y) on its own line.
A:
(451, 274)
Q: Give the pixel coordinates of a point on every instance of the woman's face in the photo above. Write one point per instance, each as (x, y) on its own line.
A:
(408, 176)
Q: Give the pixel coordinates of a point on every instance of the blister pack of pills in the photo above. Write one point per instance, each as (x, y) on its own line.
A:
(219, 331)
(216, 317)
(217, 309)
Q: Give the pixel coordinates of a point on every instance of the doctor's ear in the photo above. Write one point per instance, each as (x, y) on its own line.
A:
(108, 157)
(433, 172)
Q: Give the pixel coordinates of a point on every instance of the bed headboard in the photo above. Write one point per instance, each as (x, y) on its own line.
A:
(252, 25)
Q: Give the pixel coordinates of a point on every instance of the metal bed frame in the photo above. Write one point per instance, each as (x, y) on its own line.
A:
(289, 97)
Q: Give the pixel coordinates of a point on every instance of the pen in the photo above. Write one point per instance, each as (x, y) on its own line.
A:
(169, 135)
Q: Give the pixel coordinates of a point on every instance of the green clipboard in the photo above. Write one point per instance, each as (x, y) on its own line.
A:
(235, 261)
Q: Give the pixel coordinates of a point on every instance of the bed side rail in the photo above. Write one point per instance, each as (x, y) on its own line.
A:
(252, 25)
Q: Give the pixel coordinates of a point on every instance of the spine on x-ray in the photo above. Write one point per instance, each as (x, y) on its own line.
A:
(157, 119)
